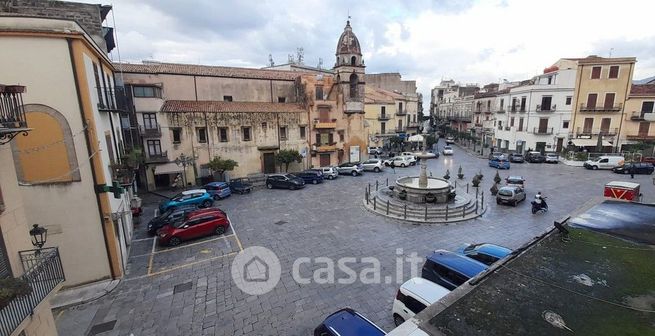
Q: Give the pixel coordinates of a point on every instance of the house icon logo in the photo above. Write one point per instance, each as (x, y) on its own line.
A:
(256, 270)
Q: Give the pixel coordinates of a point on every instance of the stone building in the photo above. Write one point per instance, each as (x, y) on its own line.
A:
(410, 104)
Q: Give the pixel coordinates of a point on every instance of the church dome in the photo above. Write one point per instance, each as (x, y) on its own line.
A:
(348, 42)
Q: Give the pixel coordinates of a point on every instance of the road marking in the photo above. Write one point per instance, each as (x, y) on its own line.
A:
(142, 239)
(59, 314)
(152, 254)
(234, 232)
(182, 266)
(192, 244)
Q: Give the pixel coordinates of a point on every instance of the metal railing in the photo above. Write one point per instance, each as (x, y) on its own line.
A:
(152, 131)
(112, 100)
(43, 273)
(383, 116)
(596, 131)
(12, 114)
(596, 108)
(551, 108)
(543, 130)
(157, 157)
(401, 112)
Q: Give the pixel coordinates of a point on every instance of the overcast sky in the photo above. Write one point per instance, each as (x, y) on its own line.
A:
(469, 41)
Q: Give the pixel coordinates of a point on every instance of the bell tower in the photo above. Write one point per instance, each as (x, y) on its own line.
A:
(349, 69)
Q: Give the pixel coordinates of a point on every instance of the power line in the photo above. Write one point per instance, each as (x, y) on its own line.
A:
(52, 179)
(46, 146)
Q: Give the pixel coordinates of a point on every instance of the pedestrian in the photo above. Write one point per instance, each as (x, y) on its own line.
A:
(632, 170)
(393, 166)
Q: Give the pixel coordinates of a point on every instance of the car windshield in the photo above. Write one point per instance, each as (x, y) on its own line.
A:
(447, 147)
(290, 176)
(165, 213)
(505, 192)
(515, 180)
(177, 197)
(178, 223)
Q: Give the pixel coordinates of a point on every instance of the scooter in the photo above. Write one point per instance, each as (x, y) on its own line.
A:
(539, 205)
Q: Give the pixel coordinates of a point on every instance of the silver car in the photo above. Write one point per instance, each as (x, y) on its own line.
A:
(374, 165)
(510, 195)
(329, 173)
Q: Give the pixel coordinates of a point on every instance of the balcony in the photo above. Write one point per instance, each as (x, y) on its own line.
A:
(479, 125)
(12, 114)
(400, 129)
(152, 131)
(112, 100)
(542, 130)
(501, 110)
(401, 113)
(550, 108)
(594, 108)
(596, 131)
(325, 124)
(412, 124)
(43, 273)
(383, 117)
(322, 148)
(641, 136)
(157, 157)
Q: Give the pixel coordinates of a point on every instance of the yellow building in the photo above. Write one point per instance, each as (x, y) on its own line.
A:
(639, 123)
(601, 87)
(381, 107)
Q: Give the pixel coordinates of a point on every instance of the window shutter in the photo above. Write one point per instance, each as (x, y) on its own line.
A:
(5, 269)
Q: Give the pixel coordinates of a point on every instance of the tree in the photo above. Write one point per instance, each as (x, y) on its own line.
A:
(431, 140)
(220, 166)
(287, 156)
(396, 141)
(133, 158)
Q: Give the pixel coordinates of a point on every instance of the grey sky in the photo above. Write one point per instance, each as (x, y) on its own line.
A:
(469, 41)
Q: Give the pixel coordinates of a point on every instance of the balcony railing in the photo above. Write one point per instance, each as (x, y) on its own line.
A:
(152, 131)
(501, 110)
(43, 273)
(112, 100)
(596, 131)
(401, 113)
(543, 130)
(551, 108)
(157, 157)
(12, 114)
(642, 136)
(412, 124)
(637, 116)
(595, 108)
(400, 129)
(325, 124)
(383, 116)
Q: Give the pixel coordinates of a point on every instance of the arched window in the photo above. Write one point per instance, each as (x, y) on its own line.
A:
(353, 85)
(353, 60)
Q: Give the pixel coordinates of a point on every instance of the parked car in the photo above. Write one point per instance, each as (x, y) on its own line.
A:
(648, 159)
(374, 165)
(413, 296)
(375, 150)
(347, 322)
(515, 181)
(552, 158)
(310, 176)
(516, 158)
(197, 225)
(351, 168)
(604, 162)
(510, 195)
(639, 167)
(447, 150)
(169, 216)
(499, 163)
(218, 190)
(241, 185)
(329, 173)
(398, 161)
(198, 197)
(484, 253)
(410, 156)
(496, 155)
(284, 181)
(535, 157)
(450, 269)
(450, 140)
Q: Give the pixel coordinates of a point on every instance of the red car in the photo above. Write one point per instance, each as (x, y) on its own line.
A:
(197, 224)
(648, 159)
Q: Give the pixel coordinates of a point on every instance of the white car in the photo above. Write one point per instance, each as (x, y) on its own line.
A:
(374, 165)
(398, 161)
(552, 158)
(329, 173)
(413, 296)
(447, 150)
(375, 150)
(450, 140)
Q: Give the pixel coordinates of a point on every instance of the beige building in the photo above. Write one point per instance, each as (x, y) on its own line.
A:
(602, 85)
(381, 115)
(410, 105)
(639, 123)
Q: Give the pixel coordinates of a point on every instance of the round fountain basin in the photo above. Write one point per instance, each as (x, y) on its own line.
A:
(437, 189)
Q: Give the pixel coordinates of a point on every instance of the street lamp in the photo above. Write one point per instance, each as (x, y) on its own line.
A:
(39, 236)
(184, 161)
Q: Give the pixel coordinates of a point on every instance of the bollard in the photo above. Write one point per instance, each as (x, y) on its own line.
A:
(476, 207)
(376, 185)
(463, 211)
(467, 188)
(375, 203)
(369, 187)
(455, 183)
(482, 201)
(387, 181)
(405, 211)
(426, 212)
(366, 196)
(446, 212)
(387, 207)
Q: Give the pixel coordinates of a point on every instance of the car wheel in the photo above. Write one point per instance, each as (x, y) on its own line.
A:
(292, 187)
(376, 169)
(174, 241)
(398, 320)
(315, 181)
(206, 204)
(219, 230)
(594, 167)
(216, 197)
(386, 164)
(402, 165)
(269, 186)
(353, 173)
(330, 177)
(497, 201)
(514, 203)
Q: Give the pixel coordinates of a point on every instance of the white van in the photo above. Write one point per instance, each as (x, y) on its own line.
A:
(604, 162)
(414, 296)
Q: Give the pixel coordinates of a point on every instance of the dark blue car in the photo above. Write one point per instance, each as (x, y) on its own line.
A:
(310, 176)
(499, 163)
(450, 269)
(484, 253)
(347, 322)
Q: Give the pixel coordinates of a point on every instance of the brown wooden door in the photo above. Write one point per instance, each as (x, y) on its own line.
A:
(588, 124)
(609, 100)
(324, 160)
(543, 125)
(383, 128)
(560, 143)
(644, 127)
(605, 125)
(269, 163)
(591, 100)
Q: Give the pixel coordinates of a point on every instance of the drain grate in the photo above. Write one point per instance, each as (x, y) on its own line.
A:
(280, 222)
(102, 327)
(182, 287)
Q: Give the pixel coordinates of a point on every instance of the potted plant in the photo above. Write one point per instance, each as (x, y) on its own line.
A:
(430, 198)
(447, 176)
(460, 174)
(497, 178)
(402, 195)
(494, 189)
(475, 182)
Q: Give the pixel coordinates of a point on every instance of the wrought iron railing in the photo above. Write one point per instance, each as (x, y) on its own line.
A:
(152, 131)
(12, 114)
(157, 157)
(113, 100)
(601, 108)
(43, 273)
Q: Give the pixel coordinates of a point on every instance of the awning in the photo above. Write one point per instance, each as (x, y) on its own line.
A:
(589, 143)
(415, 138)
(167, 168)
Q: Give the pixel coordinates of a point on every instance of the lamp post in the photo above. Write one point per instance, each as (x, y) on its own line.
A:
(184, 161)
(39, 236)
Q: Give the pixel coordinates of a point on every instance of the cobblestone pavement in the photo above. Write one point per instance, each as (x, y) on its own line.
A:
(190, 290)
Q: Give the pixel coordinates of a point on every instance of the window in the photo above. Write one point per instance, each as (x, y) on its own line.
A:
(565, 124)
(568, 100)
(647, 107)
(383, 128)
(383, 110)
(545, 103)
(245, 133)
(595, 72)
(150, 121)
(513, 104)
(2, 203)
(520, 124)
(303, 132)
(283, 133)
(222, 134)
(319, 92)
(614, 71)
(177, 135)
(201, 133)
(229, 98)
(523, 100)
(550, 80)
(5, 268)
(341, 135)
(400, 107)
(502, 103)
(605, 125)
(353, 60)
(511, 122)
(354, 80)
(609, 100)
(154, 147)
(146, 91)
(413, 304)
(264, 126)
(281, 99)
(588, 125)
(591, 100)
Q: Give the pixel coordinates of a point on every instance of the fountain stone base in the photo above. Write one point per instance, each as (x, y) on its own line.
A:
(437, 190)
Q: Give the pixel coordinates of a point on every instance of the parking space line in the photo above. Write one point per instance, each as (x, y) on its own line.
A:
(192, 244)
(234, 232)
(142, 239)
(187, 265)
(152, 254)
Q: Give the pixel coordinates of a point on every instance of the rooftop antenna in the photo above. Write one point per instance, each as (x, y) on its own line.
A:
(611, 49)
(300, 52)
(320, 64)
(270, 60)
(290, 59)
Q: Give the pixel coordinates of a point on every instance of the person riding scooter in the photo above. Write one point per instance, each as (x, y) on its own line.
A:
(539, 203)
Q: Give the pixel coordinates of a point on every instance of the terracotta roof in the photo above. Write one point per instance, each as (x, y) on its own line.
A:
(224, 106)
(206, 70)
(642, 90)
(376, 95)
